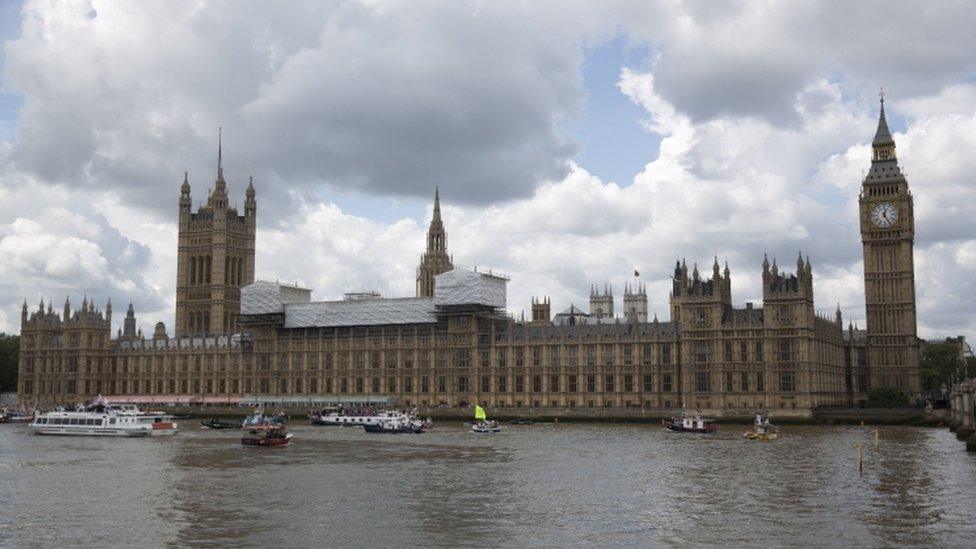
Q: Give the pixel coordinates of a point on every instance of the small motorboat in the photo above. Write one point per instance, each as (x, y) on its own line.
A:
(486, 427)
(267, 435)
(220, 424)
(690, 424)
(23, 415)
(762, 429)
(482, 425)
(522, 421)
(260, 418)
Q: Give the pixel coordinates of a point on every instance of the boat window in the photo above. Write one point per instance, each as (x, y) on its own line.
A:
(112, 421)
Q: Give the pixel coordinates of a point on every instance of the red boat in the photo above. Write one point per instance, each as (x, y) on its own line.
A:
(267, 435)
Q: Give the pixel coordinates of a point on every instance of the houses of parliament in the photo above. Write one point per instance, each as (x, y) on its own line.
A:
(237, 339)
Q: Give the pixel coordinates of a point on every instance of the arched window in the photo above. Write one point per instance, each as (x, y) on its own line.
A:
(193, 270)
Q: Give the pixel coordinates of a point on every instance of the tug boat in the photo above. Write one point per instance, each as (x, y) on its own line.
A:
(482, 425)
(267, 435)
(690, 424)
(396, 425)
(762, 429)
(104, 419)
(218, 424)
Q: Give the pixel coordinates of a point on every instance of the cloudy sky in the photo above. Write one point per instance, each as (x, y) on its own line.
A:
(573, 143)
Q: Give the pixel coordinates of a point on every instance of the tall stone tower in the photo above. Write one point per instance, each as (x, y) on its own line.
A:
(435, 260)
(215, 258)
(635, 303)
(888, 235)
(601, 303)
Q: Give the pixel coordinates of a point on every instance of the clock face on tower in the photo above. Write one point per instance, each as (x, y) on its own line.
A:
(884, 215)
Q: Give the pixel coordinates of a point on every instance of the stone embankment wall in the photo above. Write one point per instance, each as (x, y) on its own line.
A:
(961, 412)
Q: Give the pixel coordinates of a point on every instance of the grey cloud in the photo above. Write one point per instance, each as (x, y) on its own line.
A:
(751, 59)
(387, 99)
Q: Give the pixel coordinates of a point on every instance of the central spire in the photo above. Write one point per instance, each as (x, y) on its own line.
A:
(436, 259)
(220, 146)
(437, 204)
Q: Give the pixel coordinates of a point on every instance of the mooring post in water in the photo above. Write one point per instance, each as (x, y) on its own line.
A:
(860, 457)
(877, 440)
(862, 423)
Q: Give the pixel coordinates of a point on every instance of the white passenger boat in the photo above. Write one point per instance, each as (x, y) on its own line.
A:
(111, 420)
(357, 417)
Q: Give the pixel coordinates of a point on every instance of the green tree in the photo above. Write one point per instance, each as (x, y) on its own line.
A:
(9, 355)
(939, 363)
(887, 397)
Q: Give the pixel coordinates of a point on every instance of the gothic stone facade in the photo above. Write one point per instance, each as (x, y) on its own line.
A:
(711, 355)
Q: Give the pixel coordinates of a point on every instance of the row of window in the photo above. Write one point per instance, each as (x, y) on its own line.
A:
(590, 383)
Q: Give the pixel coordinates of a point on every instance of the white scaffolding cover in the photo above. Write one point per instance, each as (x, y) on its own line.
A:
(464, 287)
(360, 312)
(454, 288)
(264, 297)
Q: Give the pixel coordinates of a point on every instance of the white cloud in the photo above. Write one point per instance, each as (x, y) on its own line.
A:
(765, 116)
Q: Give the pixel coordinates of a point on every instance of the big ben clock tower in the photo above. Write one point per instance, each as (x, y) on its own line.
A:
(888, 235)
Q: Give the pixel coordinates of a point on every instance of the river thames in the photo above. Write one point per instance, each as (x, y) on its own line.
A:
(538, 485)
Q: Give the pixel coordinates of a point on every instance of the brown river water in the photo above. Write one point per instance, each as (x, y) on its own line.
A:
(551, 485)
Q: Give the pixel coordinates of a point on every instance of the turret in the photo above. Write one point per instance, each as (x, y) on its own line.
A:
(186, 201)
(159, 333)
(635, 303)
(129, 329)
(601, 303)
(540, 311)
(67, 309)
(23, 315)
(250, 204)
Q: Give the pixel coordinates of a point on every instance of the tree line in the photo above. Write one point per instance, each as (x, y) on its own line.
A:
(9, 354)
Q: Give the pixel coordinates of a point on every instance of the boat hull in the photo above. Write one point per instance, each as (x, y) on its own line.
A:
(682, 429)
(394, 430)
(106, 432)
(266, 442)
(220, 425)
(750, 435)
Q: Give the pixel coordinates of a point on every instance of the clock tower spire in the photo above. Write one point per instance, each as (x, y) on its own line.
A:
(888, 236)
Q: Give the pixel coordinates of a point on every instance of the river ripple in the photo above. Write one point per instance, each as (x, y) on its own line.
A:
(541, 485)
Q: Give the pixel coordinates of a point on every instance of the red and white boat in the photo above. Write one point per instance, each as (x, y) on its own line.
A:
(23, 415)
(267, 435)
(690, 424)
